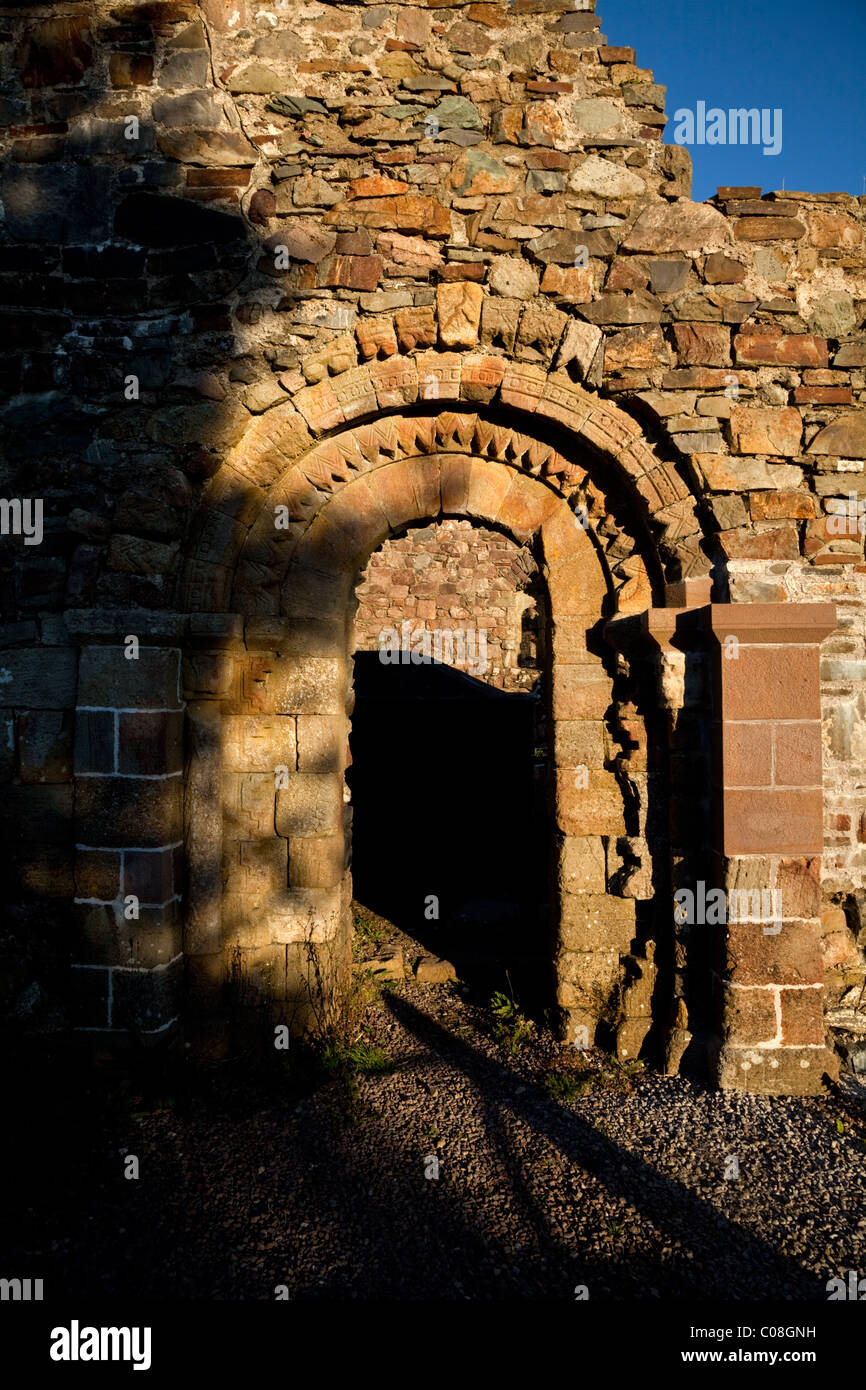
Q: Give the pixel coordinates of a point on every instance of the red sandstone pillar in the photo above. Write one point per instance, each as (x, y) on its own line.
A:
(768, 802)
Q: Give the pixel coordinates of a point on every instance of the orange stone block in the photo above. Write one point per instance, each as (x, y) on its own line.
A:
(797, 754)
(579, 692)
(395, 493)
(488, 485)
(459, 308)
(747, 755)
(802, 1017)
(525, 506)
(773, 822)
(750, 1016)
(766, 430)
(377, 186)
(439, 376)
(320, 407)
(568, 282)
(455, 474)
(773, 347)
(481, 378)
(791, 956)
(771, 682)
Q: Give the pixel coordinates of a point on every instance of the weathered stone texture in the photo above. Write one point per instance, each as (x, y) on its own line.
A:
(232, 250)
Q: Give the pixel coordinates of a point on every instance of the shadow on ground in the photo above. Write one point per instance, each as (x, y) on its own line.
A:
(251, 1178)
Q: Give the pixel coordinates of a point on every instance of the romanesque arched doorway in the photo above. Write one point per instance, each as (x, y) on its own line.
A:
(289, 524)
(287, 848)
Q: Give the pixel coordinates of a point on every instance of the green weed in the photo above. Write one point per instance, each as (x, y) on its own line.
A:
(566, 1085)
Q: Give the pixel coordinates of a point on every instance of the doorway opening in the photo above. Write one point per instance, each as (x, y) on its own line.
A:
(448, 753)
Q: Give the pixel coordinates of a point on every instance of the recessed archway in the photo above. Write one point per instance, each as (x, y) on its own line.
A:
(295, 577)
(289, 526)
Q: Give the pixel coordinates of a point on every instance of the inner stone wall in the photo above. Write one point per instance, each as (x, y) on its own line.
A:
(458, 579)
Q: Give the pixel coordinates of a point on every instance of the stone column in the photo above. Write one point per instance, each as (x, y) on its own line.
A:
(768, 843)
(286, 892)
(676, 638)
(591, 927)
(128, 765)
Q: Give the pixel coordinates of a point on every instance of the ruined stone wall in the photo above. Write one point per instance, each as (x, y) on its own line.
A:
(228, 235)
(464, 582)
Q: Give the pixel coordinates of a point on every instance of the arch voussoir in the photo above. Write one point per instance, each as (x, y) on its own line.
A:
(306, 450)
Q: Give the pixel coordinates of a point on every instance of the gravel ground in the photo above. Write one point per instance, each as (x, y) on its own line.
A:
(245, 1185)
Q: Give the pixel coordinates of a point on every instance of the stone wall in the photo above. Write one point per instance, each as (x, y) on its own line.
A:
(457, 579)
(235, 238)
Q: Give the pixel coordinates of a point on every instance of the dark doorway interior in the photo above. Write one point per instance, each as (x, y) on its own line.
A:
(448, 802)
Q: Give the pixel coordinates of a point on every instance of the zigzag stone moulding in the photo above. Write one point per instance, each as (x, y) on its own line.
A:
(260, 473)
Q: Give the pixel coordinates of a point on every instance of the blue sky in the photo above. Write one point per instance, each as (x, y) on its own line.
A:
(807, 60)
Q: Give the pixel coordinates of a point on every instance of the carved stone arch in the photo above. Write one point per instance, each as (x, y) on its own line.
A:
(358, 515)
(300, 452)
(298, 505)
(286, 849)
